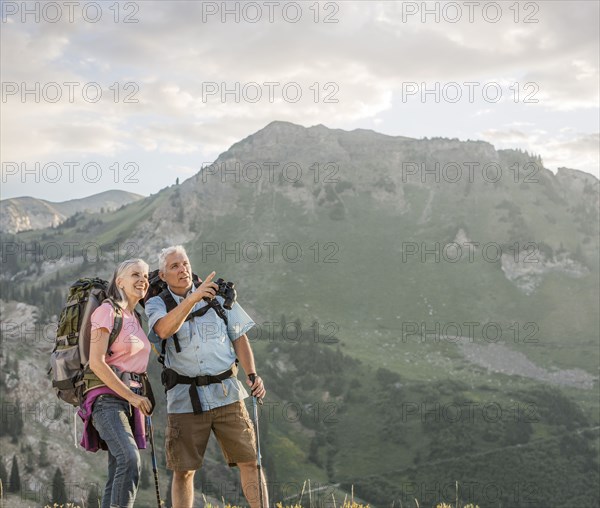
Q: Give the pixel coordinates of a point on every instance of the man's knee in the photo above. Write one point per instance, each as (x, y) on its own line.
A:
(183, 476)
(247, 465)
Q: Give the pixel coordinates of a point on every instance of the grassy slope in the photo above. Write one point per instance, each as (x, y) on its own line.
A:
(368, 293)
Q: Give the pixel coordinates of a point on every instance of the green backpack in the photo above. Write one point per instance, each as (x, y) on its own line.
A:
(69, 361)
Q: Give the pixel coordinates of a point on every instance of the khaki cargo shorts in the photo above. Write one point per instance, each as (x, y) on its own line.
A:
(187, 436)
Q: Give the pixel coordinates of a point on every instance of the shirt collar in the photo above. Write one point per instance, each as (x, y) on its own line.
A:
(178, 298)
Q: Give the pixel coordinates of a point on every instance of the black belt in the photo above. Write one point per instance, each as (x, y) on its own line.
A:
(170, 378)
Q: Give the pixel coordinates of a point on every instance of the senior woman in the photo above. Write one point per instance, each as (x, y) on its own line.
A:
(117, 406)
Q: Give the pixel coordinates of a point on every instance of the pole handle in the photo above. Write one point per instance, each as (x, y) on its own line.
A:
(252, 378)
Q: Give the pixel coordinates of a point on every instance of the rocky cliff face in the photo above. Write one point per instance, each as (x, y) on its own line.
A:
(502, 196)
(26, 392)
(432, 185)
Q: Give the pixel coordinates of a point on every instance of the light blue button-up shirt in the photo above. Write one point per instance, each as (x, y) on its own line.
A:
(206, 349)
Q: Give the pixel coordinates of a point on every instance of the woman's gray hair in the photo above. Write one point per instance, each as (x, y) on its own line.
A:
(113, 291)
(162, 257)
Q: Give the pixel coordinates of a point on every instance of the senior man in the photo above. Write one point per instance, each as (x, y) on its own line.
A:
(203, 392)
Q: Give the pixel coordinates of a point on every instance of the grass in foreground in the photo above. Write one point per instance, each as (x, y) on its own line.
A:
(347, 504)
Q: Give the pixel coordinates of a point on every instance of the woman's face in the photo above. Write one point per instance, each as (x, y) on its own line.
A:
(134, 281)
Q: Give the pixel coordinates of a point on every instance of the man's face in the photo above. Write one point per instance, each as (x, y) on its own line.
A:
(178, 273)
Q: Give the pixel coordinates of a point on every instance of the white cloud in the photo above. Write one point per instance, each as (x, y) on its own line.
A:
(171, 54)
(504, 136)
(183, 170)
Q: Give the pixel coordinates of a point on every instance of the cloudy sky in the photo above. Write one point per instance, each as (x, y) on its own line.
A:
(132, 95)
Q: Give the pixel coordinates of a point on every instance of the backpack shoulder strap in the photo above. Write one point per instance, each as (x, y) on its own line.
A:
(170, 303)
(167, 297)
(218, 308)
(212, 304)
(118, 324)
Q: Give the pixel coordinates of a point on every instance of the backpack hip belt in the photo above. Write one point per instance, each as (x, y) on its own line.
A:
(142, 379)
(171, 378)
(93, 381)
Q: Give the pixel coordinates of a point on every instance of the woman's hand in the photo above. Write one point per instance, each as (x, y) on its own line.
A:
(142, 403)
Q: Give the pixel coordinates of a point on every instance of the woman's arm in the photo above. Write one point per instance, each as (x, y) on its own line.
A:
(98, 349)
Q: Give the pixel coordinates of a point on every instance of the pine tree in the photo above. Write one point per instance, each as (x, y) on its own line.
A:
(14, 424)
(15, 478)
(29, 465)
(93, 498)
(168, 501)
(43, 458)
(59, 489)
(3, 473)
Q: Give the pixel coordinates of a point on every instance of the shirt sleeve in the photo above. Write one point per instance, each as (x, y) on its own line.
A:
(238, 322)
(103, 317)
(155, 309)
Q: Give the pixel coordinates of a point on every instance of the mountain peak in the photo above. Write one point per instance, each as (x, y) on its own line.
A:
(564, 172)
(281, 125)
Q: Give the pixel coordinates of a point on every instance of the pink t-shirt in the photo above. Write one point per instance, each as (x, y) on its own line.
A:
(131, 349)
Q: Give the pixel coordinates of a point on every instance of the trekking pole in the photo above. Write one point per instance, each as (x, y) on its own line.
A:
(154, 467)
(252, 377)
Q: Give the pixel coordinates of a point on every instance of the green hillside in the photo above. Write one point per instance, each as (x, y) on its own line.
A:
(363, 391)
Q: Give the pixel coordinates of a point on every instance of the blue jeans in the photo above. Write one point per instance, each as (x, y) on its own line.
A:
(111, 419)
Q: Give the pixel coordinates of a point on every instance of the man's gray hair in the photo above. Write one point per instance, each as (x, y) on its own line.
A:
(162, 257)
